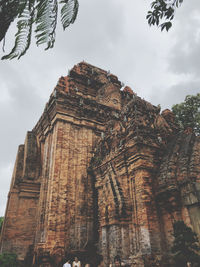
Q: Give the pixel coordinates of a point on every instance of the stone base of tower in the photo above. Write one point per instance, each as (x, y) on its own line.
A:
(150, 260)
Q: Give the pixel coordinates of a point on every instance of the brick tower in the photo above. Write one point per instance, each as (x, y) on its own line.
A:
(102, 172)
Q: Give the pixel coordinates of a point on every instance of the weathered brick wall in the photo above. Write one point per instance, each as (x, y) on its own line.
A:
(66, 200)
(124, 165)
(178, 183)
(76, 119)
(144, 165)
(102, 172)
(20, 218)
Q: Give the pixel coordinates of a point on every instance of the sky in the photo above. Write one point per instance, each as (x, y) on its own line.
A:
(114, 35)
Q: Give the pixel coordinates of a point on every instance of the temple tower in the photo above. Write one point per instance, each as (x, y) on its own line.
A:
(102, 172)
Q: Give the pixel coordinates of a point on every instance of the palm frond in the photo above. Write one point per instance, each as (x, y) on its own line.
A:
(21, 6)
(69, 12)
(42, 14)
(23, 35)
(46, 21)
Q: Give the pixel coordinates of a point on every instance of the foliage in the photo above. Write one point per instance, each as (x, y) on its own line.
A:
(1, 223)
(188, 113)
(8, 260)
(185, 246)
(42, 14)
(163, 10)
(39, 13)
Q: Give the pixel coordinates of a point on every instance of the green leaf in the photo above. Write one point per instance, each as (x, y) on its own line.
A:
(187, 113)
(166, 25)
(185, 245)
(161, 13)
(69, 12)
(46, 21)
(42, 13)
(23, 35)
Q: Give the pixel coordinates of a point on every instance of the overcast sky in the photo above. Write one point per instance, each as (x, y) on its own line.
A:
(112, 34)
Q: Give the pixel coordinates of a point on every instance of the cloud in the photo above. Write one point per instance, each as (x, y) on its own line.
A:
(184, 55)
(99, 26)
(174, 94)
(18, 111)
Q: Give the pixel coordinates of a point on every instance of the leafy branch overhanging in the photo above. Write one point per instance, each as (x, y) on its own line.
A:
(39, 13)
(162, 13)
(42, 16)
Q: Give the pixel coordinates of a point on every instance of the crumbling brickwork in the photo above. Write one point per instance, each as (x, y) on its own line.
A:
(102, 172)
